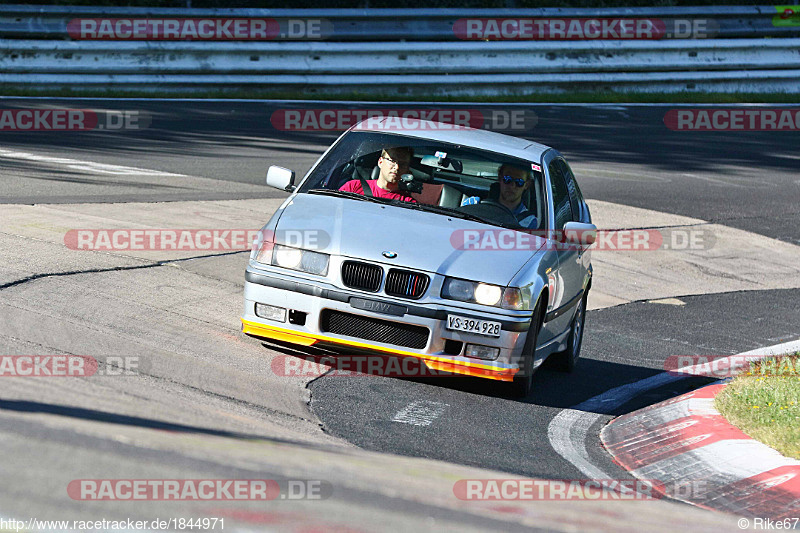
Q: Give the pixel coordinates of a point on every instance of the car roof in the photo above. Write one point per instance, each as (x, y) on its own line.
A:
(462, 135)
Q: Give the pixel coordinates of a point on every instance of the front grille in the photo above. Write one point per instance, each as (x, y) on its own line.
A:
(362, 276)
(373, 329)
(406, 284)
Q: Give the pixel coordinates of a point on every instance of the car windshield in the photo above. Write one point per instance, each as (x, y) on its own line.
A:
(442, 178)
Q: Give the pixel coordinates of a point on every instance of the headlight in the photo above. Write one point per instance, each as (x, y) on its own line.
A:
(287, 257)
(459, 289)
(471, 291)
(487, 294)
(483, 293)
(303, 260)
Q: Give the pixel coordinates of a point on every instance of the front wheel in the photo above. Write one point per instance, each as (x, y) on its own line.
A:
(569, 357)
(522, 385)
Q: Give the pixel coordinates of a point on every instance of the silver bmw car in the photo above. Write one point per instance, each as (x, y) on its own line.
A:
(463, 248)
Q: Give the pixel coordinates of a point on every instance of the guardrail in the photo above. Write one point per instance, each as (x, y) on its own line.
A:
(407, 59)
(51, 22)
(487, 68)
(380, 64)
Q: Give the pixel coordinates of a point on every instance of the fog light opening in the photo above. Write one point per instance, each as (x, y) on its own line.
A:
(298, 318)
(481, 352)
(270, 312)
(453, 347)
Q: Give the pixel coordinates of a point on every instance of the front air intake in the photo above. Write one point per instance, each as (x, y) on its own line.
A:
(406, 284)
(374, 329)
(362, 276)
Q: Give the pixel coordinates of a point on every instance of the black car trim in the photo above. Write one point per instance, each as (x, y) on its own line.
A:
(339, 296)
(555, 313)
(295, 286)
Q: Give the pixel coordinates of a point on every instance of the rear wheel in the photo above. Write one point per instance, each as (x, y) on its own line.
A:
(569, 358)
(522, 385)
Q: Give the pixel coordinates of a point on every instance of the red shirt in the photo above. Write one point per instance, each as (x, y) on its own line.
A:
(377, 192)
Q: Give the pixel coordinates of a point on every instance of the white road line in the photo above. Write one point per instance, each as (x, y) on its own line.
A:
(743, 181)
(667, 301)
(568, 430)
(88, 166)
(421, 413)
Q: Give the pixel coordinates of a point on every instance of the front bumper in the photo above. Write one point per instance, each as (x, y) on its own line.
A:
(312, 297)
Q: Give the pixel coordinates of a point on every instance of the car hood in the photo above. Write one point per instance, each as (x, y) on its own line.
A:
(422, 241)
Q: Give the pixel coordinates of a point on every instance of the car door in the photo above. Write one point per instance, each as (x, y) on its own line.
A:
(567, 283)
(580, 213)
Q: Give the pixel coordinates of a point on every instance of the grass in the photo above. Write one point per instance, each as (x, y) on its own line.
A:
(764, 402)
(573, 97)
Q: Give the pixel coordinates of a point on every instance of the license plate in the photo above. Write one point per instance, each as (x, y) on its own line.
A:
(473, 325)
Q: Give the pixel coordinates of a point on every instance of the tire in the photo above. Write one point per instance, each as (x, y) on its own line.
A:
(522, 385)
(568, 359)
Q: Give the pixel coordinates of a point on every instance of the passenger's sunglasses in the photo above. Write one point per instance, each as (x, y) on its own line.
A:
(519, 181)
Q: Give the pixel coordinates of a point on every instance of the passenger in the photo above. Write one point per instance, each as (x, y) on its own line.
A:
(513, 182)
(393, 163)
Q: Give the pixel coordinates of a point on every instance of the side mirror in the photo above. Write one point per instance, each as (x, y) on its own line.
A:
(280, 178)
(580, 233)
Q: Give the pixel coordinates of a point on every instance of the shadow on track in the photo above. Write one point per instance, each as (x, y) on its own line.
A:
(551, 388)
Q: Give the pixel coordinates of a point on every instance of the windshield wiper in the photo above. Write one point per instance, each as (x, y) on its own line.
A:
(346, 194)
(411, 205)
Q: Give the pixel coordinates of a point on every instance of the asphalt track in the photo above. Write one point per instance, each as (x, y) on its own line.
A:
(481, 426)
(220, 151)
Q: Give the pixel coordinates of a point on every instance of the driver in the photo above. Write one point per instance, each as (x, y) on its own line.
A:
(393, 163)
(514, 180)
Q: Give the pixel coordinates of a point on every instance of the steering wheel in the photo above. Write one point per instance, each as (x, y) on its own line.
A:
(492, 210)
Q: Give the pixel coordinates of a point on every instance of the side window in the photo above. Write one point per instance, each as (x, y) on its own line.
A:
(561, 205)
(575, 195)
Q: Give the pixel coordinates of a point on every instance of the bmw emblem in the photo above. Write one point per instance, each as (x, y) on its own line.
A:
(389, 255)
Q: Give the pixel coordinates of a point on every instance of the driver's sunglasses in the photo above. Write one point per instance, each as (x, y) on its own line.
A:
(400, 164)
(519, 181)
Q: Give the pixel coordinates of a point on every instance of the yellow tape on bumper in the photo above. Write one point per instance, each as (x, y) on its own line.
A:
(432, 362)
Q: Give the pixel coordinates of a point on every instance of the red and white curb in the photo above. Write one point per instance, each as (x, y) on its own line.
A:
(686, 442)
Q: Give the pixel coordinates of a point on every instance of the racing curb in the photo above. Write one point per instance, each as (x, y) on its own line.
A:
(686, 444)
